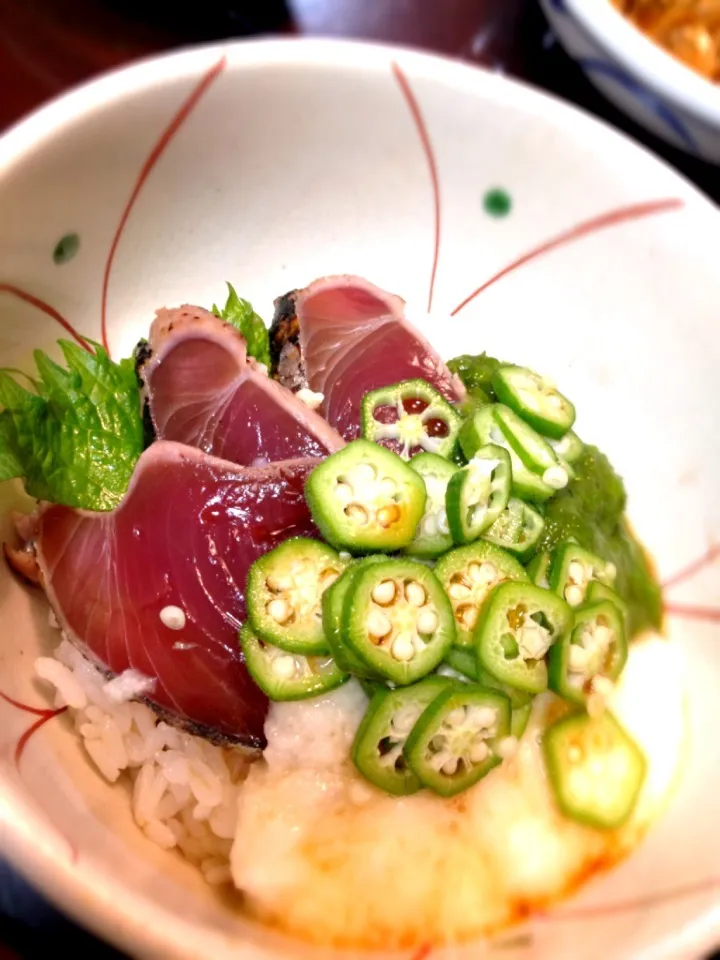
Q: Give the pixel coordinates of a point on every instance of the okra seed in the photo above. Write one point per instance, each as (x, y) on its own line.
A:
(555, 400)
(402, 648)
(442, 522)
(279, 583)
(533, 640)
(458, 591)
(364, 473)
(438, 742)
(343, 491)
(602, 686)
(279, 610)
(388, 487)
(479, 752)
(602, 636)
(173, 617)
(430, 526)
(575, 754)
(386, 516)
(467, 614)
(284, 668)
(456, 717)
(384, 593)
(508, 747)
(576, 572)
(574, 595)
(450, 766)
(556, 477)
(578, 658)
(356, 513)
(405, 719)
(483, 717)
(427, 622)
(610, 571)
(328, 577)
(378, 624)
(415, 593)
(483, 573)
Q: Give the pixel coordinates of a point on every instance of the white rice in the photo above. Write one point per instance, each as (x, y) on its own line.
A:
(185, 790)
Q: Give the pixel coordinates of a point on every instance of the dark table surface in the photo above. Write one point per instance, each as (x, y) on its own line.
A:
(47, 46)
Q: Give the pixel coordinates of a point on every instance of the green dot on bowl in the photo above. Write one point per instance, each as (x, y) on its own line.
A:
(66, 248)
(497, 202)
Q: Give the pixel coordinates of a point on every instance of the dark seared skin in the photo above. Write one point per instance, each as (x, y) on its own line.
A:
(285, 354)
(142, 353)
(252, 749)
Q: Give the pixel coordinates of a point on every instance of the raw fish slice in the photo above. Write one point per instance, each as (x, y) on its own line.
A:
(342, 337)
(184, 536)
(202, 389)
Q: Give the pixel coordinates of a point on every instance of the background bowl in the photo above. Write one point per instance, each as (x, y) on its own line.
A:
(271, 163)
(650, 85)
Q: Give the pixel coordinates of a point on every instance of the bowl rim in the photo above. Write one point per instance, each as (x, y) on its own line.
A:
(643, 57)
(34, 855)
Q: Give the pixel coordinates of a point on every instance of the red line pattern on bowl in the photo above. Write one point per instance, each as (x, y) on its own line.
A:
(42, 713)
(706, 560)
(23, 741)
(691, 612)
(46, 308)
(432, 165)
(157, 151)
(635, 211)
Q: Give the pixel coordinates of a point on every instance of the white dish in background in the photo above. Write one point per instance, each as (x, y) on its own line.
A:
(638, 76)
(296, 159)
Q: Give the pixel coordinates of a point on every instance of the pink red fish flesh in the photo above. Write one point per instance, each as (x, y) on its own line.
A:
(343, 336)
(184, 535)
(202, 389)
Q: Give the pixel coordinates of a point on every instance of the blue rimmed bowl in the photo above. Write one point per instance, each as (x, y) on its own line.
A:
(638, 76)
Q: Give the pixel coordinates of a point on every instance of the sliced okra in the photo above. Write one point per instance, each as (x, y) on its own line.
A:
(284, 592)
(484, 428)
(534, 398)
(332, 609)
(467, 575)
(478, 493)
(365, 498)
(456, 740)
(410, 417)
(597, 591)
(288, 676)
(595, 768)
(432, 537)
(518, 529)
(518, 625)
(538, 569)
(573, 569)
(398, 620)
(569, 448)
(592, 656)
(380, 739)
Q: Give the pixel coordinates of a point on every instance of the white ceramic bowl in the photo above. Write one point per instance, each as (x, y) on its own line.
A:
(269, 164)
(650, 85)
